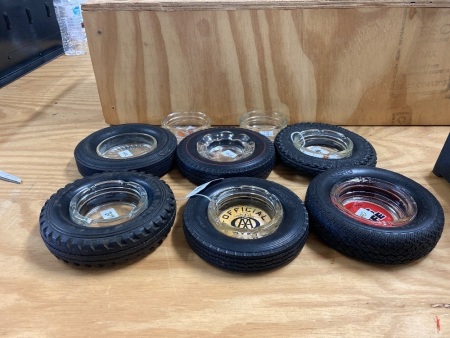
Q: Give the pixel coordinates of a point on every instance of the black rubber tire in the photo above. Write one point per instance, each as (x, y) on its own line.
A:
(382, 245)
(199, 169)
(158, 162)
(245, 255)
(101, 246)
(363, 152)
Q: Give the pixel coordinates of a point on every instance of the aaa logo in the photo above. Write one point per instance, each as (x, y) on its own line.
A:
(245, 223)
(244, 217)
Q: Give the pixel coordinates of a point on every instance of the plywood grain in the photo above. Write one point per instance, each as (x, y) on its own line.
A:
(368, 66)
(172, 292)
(176, 5)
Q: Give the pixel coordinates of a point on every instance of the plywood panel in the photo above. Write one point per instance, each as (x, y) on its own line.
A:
(353, 66)
(177, 5)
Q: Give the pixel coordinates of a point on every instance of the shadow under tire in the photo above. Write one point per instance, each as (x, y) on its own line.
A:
(112, 244)
(157, 160)
(199, 169)
(363, 152)
(246, 255)
(363, 227)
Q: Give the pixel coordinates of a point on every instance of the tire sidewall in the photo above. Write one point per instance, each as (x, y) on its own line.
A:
(319, 194)
(294, 224)
(57, 215)
(87, 156)
(363, 151)
(188, 155)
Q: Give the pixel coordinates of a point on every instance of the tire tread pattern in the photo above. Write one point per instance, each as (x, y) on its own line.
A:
(198, 171)
(312, 166)
(248, 264)
(157, 163)
(111, 250)
(373, 244)
(277, 249)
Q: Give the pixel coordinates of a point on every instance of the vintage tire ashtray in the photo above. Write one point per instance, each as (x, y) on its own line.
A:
(107, 218)
(312, 148)
(128, 147)
(374, 215)
(246, 224)
(225, 152)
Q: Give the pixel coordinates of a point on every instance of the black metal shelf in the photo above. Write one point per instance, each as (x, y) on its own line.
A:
(29, 37)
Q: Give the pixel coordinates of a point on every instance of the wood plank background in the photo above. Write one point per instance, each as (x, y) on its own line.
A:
(353, 66)
(171, 5)
(172, 292)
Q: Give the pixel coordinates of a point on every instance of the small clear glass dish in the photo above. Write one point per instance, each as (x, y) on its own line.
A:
(127, 145)
(267, 123)
(225, 146)
(326, 144)
(374, 201)
(245, 212)
(182, 124)
(108, 203)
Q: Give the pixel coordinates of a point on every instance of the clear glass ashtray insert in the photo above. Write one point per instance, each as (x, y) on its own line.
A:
(327, 144)
(127, 145)
(374, 201)
(245, 212)
(182, 124)
(225, 146)
(266, 123)
(108, 203)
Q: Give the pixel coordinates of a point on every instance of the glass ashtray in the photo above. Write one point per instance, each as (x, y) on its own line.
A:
(268, 124)
(225, 146)
(374, 202)
(182, 124)
(108, 203)
(245, 212)
(127, 145)
(326, 144)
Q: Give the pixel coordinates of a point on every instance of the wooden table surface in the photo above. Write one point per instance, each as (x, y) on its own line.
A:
(172, 292)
